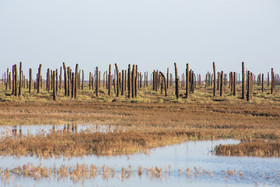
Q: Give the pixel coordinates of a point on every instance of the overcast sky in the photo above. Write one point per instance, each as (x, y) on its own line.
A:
(151, 33)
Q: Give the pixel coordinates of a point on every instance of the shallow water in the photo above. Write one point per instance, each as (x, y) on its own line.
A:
(255, 171)
(45, 129)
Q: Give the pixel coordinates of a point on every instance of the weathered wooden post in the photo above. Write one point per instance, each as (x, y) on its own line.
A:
(65, 79)
(83, 79)
(164, 82)
(221, 83)
(39, 78)
(214, 73)
(69, 81)
(133, 81)
(262, 83)
(56, 78)
(54, 85)
(218, 81)
(187, 80)
(123, 82)
(272, 80)
(176, 82)
(234, 83)
(248, 85)
(125, 79)
(118, 84)
(20, 79)
(136, 79)
(15, 80)
(60, 79)
(109, 80)
(243, 81)
(76, 81)
(167, 78)
(97, 82)
(129, 81)
(30, 80)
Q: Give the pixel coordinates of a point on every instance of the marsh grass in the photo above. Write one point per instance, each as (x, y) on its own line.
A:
(259, 148)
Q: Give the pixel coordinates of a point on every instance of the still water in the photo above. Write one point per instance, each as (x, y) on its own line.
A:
(173, 160)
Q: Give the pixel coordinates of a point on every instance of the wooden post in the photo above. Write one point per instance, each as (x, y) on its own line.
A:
(97, 82)
(69, 81)
(83, 79)
(129, 81)
(89, 81)
(123, 82)
(16, 84)
(248, 85)
(76, 81)
(165, 83)
(53, 85)
(214, 81)
(136, 79)
(65, 79)
(243, 81)
(262, 83)
(72, 78)
(118, 84)
(56, 78)
(272, 80)
(133, 81)
(176, 82)
(30, 80)
(109, 80)
(234, 83)
(167, 78)
(60, 79)
(20, 79)
(187, 80)
(125, 79)
(39, 78)
(221, 83)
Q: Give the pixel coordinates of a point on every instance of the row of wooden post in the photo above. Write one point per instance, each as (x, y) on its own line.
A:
(130, 80)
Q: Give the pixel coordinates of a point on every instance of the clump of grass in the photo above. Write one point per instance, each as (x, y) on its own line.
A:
(259, 148)
(64, 143)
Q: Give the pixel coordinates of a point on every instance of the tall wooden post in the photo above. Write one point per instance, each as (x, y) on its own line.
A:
(243, 81)
(129, 81)
(136, 80)
(20, 79)
(177, 81)
(109, 80)
(272, 80)
(221, 83)
(65, 79)
(133, 81)
(262, 82)
(76, 81)
(97, 82)
(167, 78)
(83, 79)
(123, 82)
(248, 85)
(30, 80)
(214, 81)
(187, 80)
(234, 83)
(39, 78)
(60, 79)
(118, 84)
(54, 85)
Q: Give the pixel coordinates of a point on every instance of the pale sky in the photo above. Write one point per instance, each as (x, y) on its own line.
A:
(151, 33)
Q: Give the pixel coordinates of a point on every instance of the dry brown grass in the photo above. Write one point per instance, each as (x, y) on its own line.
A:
(260, 148)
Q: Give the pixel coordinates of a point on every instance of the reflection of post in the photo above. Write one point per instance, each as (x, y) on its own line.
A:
(20, 131)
